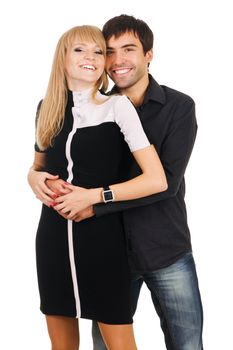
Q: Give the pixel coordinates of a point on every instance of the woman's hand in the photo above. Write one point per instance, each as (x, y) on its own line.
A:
(78, 199)
(37, 181)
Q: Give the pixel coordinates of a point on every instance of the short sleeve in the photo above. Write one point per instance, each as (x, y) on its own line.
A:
(36, 147)
(128, 120)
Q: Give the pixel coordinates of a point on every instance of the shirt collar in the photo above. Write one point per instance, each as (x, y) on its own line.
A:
(153, 92)
(80, 97)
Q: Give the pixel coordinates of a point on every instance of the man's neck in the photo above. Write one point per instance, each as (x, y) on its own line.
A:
(136, 92)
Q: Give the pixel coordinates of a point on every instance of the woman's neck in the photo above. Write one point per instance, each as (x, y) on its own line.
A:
(80, 86)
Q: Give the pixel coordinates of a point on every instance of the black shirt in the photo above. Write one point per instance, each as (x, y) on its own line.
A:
(156, 226)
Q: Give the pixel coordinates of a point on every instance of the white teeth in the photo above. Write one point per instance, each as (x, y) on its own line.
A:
(122, 71)
(87, 66)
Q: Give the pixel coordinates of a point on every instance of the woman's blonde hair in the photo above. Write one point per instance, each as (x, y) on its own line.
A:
(52, 110)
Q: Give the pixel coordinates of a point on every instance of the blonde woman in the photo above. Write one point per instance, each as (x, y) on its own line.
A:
(80, 141)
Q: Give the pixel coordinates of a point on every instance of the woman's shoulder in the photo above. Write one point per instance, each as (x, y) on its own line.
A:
(122, 102)
(114, 98)
(119, 100)
(117, 103)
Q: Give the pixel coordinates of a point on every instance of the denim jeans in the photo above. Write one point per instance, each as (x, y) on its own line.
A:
(176, 298)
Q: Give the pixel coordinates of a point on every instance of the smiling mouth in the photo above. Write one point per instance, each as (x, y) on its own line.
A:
(88, 67)
(121, 71)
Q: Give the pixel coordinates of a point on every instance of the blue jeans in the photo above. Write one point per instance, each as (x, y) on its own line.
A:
(176, 297)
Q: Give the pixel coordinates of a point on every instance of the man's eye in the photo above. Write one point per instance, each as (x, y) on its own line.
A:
(109, 53)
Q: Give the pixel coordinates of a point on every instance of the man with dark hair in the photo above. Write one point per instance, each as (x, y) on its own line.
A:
(158, 237)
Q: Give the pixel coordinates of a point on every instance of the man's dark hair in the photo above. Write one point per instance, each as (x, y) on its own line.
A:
(119, 25)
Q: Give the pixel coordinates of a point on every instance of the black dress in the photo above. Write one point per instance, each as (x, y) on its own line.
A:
(82, 267)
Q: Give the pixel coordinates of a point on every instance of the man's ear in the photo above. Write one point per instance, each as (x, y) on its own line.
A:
(149, 55)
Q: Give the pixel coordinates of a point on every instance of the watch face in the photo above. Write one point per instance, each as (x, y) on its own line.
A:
(108, 195)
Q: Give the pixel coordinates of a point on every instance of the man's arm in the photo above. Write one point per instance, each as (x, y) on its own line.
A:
(175, 153)
(37, 178)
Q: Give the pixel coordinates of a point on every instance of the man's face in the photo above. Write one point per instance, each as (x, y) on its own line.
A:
(126, 63)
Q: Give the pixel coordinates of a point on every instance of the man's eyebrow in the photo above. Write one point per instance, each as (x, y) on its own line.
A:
(122, 47)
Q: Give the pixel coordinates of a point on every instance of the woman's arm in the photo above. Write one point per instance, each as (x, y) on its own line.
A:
(151, 181)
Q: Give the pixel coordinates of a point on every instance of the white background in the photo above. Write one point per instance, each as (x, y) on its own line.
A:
(193, 54)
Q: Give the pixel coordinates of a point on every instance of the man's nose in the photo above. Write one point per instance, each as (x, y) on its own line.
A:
(118, 57)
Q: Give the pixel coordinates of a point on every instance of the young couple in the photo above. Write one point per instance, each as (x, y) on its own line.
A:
(93, 162)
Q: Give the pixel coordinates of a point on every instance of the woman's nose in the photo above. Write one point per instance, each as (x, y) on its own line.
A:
(89, 55)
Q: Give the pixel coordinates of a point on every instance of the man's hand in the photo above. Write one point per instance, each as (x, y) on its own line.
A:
(57, 186)
(84, 214)
(37, 181)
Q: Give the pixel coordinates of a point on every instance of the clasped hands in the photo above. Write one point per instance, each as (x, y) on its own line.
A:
(71, 202)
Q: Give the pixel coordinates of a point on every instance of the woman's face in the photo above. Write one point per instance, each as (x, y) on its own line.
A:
(84, 64)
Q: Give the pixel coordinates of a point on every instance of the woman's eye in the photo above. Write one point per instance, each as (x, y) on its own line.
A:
(99, 52)
(77, 49)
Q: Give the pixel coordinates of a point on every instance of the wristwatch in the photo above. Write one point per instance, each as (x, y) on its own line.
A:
(108, 195)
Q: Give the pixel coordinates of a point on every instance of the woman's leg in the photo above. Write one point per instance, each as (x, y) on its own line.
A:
(63, 332)
(118, 337)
